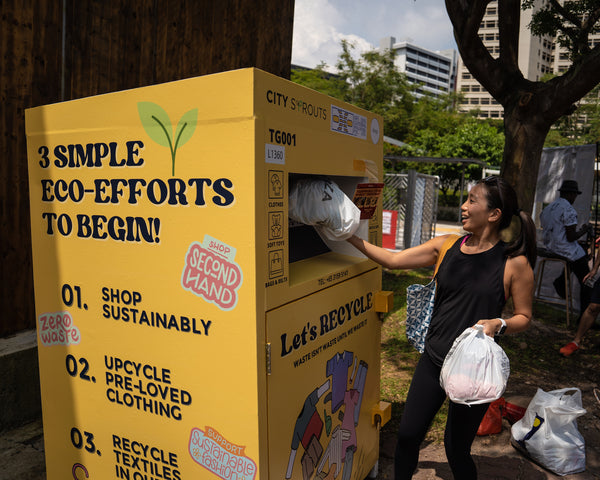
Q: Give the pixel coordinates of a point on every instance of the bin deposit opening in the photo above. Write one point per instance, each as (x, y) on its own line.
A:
(312, 255)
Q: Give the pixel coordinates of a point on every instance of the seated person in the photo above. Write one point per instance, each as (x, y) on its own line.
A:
(559, 222)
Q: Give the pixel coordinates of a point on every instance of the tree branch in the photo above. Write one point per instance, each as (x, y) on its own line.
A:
(565, 13)
(581, 77)
(502, 78)
(509, 14)
(591, 20)
(466, 19)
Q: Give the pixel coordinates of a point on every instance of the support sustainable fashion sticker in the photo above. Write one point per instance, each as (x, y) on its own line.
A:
(221, 457)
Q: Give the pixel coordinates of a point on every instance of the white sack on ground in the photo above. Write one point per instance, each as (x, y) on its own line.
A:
(548, 431)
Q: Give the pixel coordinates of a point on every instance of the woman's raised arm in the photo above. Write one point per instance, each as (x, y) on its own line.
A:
(416, 257)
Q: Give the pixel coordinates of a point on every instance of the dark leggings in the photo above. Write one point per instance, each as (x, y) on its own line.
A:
(424, 399)
(580, 268)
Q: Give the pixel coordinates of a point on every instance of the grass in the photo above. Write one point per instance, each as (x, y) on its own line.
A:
(533, 354)
(398, 357)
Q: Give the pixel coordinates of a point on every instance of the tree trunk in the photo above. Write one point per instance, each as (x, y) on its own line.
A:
(523, 145)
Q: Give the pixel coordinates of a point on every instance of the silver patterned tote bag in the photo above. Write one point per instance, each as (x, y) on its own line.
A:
(419, 303)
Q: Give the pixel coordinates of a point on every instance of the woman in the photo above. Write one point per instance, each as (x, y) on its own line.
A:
(476, 276)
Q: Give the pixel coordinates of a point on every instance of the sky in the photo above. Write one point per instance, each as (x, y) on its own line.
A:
(320, 26)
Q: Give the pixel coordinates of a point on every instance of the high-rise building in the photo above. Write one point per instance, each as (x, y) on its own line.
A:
(537, 56)
(434, 72)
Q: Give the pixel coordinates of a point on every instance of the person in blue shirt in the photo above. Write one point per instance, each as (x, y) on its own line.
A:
(559, 224)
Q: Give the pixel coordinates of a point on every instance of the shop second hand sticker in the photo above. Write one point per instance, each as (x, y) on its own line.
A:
(211, 272)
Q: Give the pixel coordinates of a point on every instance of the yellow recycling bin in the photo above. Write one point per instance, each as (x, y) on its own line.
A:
(187, 329)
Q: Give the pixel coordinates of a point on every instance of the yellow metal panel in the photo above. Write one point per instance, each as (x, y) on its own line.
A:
(384, 301)
(381, 413)
(329, 344)
(304, 132)
(144, 263)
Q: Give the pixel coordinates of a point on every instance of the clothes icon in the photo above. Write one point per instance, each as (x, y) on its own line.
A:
(275, 185)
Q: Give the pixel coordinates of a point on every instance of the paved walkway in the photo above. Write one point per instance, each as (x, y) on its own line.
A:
(22, 458)
(444, 228)
(495, 458)
(22, 453)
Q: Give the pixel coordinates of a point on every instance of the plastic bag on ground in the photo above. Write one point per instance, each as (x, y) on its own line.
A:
(475, 370)
(321, 203)
(513, 412)
(548, 432)
(492, 420)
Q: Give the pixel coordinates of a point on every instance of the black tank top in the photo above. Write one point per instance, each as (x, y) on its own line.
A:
(469, 288)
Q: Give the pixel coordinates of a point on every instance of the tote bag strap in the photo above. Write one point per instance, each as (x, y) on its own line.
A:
(445, 247)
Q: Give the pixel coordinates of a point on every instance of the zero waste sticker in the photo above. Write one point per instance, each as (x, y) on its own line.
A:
(58, 329)
(211, 273)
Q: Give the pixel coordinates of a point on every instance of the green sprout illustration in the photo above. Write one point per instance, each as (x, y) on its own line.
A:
(159, 128)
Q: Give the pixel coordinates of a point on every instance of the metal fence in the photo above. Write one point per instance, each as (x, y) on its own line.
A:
(415, 197)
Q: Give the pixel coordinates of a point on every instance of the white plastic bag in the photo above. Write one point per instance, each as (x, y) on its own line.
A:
(548, 432)
(476, 369)
(321, 203)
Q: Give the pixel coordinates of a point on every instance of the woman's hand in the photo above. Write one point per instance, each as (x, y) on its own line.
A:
(490, 326)
(593, 272)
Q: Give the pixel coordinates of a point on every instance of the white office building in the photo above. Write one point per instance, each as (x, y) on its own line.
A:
(434, 72)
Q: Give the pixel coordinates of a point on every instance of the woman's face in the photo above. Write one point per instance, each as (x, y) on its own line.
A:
(475, 213)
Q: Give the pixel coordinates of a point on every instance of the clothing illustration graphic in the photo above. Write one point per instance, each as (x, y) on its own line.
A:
(330, 441)
(337, 369)
(308, 426)
(359, 386)
(333, 453)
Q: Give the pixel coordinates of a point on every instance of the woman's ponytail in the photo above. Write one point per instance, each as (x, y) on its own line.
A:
(525, 241)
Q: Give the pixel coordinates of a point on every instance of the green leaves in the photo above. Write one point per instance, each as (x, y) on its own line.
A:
(571, 23)
(155, 121)
(430, 126)
(158, 126)
(186, 127)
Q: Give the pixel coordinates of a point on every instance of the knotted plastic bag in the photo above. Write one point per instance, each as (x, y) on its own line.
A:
(476, 368)
(321, 203)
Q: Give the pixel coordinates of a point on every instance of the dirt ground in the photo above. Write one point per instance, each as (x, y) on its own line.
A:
(537, 348)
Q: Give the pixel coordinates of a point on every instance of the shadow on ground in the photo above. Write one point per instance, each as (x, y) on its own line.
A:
(495, 458)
